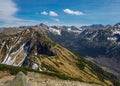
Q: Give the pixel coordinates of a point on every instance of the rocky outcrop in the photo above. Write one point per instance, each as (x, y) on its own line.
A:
(35, 79)
(19, 80)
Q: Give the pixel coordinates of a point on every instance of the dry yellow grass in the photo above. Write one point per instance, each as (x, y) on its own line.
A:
(65, 63)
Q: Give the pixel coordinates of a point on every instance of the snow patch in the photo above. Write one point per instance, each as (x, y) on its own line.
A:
(55, 31)
(112, 39)
(35, 66)
(69, 29)
(74, 31)
(7, 56)
(9, 60)
(117, 31)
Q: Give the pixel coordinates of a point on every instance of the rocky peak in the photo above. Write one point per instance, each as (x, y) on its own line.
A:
(43, 25)
(74, 28)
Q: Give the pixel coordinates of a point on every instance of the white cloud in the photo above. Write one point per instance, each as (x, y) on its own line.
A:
(72, 12)
(44, 13)
(52, 13)
(8, 10)
(55, 19)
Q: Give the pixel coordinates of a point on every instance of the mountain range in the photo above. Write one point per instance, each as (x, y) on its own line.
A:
(99, 43)
(43, 49)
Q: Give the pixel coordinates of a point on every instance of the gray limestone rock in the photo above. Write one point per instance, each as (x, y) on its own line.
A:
(19, 80)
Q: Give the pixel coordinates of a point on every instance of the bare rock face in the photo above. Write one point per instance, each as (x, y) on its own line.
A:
(19, 80)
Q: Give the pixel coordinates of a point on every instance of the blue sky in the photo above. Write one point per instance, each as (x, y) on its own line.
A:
(59, 12)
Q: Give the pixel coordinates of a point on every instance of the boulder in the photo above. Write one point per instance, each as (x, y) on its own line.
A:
(19, 80)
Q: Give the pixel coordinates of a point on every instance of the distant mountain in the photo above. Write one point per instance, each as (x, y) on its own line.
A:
(117, 24)
(94, 26)
(74, 28)
(42, 25)
(66, 27)
(108, 26)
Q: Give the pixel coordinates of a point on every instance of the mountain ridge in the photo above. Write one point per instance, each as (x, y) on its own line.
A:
(33, 49)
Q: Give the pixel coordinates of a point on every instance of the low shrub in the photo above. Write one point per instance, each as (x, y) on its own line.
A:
(12, 69)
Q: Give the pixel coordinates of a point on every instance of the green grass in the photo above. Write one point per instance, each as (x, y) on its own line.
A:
(12, 69)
